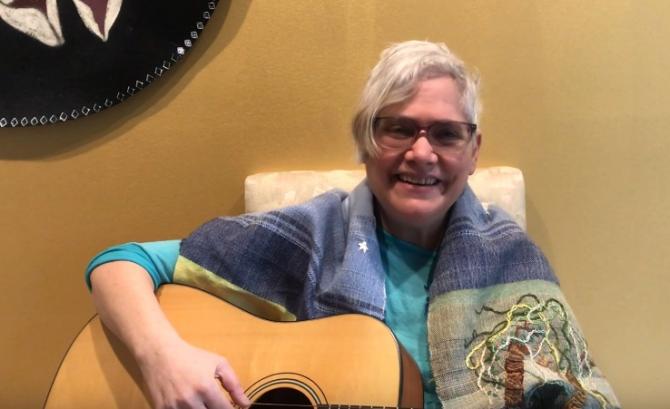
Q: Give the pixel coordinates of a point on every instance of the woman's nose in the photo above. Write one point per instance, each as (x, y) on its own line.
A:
(422, 150)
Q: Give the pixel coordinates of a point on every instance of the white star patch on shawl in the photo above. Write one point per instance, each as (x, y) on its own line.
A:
(363, 246)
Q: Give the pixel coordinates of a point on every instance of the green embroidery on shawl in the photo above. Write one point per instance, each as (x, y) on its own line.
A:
(511, 338)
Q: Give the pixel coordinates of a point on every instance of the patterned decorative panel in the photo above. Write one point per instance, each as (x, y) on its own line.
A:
(67, 59)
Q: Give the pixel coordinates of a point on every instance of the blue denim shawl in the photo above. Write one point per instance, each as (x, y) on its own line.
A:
(310, 258)
(494, 299)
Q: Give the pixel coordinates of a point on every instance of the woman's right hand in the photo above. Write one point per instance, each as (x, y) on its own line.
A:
(179, 375)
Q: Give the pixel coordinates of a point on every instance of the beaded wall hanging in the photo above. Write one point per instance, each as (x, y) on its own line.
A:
(65, 59)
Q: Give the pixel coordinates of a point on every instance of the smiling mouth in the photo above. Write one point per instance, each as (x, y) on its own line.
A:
(418, 181)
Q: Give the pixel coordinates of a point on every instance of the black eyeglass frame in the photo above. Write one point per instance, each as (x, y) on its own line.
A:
(472, 128)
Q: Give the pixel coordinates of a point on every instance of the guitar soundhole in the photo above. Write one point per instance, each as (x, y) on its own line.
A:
(281, 398)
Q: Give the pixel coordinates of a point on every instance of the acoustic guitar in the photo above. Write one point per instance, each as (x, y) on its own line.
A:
(342, 361)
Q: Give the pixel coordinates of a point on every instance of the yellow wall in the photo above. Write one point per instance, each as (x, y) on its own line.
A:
(575, 94)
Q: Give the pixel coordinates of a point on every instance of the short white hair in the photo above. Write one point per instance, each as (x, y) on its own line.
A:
(395, 78)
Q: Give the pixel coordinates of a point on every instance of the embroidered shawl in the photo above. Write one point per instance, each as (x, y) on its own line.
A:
(500, 332)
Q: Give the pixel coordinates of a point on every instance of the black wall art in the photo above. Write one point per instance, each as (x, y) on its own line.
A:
(65, 59)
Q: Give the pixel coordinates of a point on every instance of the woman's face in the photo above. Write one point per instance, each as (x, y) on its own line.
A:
(416, 187)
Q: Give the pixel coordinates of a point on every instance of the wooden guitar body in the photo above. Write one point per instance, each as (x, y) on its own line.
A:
(350, 360)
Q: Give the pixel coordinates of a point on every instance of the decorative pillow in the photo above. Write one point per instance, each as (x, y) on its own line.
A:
(499, 185)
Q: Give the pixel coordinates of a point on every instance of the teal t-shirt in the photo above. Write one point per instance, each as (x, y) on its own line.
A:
(408, 274)
(158, 258)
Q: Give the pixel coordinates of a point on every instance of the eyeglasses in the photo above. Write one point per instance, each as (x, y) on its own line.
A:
(398, 132)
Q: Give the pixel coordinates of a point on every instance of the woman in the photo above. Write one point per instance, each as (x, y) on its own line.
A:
(463, 288)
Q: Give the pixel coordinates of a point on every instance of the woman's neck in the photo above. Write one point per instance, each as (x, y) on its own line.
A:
(428, 237)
